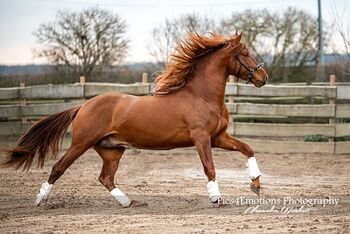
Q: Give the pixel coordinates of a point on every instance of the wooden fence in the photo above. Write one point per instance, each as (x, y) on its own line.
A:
(21, 106)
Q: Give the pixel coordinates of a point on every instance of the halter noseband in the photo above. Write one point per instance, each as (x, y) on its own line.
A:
(251, 70)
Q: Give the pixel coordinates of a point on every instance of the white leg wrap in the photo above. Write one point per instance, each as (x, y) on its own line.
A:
(253, 169)
(43, 193)
(213, 190)
(120, 197)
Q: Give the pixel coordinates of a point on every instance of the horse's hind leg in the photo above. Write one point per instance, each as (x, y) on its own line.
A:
(111, 158)
(74, 152)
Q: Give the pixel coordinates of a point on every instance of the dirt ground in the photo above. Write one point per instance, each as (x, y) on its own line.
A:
(173, 185)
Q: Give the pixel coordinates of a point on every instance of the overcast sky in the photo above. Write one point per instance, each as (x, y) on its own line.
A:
(20, 18)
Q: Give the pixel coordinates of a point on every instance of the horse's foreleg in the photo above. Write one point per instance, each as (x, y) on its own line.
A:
(203, 145)
(111, 158)
(226, 141)
(58, 169)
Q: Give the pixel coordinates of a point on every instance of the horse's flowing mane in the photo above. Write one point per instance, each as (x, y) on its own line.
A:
(182, 62)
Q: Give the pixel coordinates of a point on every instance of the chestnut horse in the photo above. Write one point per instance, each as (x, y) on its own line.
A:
(187, 109)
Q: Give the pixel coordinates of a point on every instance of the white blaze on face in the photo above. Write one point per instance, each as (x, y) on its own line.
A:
(43, 193)
(120, 197)
(213, 190)
(253, 169)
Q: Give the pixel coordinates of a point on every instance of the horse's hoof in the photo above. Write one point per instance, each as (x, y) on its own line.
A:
(214, 199)
(135, 203)
(255, 189)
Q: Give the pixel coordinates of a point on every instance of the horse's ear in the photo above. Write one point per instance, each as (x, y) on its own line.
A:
(237, 37)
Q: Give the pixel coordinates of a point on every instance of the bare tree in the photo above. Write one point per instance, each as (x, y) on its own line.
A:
(295, 42)
(83, 41)
(163, 39)
(342, 49)
(286, 40)
(253, 24)
(165, 36)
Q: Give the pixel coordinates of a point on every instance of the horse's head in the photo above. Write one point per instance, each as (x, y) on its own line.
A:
(244, 66)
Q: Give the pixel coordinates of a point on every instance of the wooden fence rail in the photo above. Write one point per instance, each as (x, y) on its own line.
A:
(281, 91)
(47, 99)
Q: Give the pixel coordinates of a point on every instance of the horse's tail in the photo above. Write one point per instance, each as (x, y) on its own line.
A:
(44, 137)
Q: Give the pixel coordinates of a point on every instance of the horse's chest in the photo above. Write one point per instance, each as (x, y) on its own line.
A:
(214, 120)
(220, 125)
(214, 123)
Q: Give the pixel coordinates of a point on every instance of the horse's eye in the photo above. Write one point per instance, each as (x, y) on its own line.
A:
(245, 52)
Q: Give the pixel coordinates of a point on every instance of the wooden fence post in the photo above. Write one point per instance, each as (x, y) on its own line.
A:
(82, 83)
(23, 103)
(145, 81)
(145, 78)
(332, 120)
(332, 100)
(82, 80)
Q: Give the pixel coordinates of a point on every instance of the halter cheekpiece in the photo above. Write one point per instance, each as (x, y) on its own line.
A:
(251, 70)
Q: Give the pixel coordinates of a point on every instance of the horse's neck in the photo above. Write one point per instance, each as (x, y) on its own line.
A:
(209, 80)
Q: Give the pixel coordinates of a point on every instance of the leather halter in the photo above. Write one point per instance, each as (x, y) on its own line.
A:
(251, 70)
